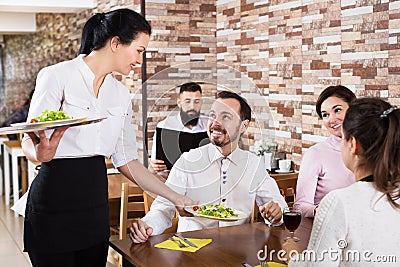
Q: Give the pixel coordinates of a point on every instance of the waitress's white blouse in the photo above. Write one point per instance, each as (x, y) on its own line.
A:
(68, 86)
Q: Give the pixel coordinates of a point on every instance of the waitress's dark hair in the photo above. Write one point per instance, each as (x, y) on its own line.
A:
(125, 23)
(375, 124)
(339, 91)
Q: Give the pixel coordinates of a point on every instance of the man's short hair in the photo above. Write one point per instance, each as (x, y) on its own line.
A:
(190, 87)
(245, 110)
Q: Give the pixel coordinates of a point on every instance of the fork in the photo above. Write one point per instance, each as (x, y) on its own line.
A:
(180, 244)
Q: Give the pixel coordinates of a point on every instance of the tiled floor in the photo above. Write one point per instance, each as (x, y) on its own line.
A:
(11, 229)
(11, 232)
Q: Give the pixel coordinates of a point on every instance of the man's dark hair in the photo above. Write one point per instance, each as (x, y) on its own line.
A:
(190, 87)
(245, 110)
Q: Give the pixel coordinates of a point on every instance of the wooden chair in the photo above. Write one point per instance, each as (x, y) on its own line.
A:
(132, 208)
(287, 183)
(255, 214)
(287, 186)
(148, 199)
(131, 211)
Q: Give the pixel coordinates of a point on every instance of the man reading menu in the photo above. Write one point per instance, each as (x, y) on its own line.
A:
(188, 120)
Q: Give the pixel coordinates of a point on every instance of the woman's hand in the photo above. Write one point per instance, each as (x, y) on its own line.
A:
(183, 201)
(46, 148)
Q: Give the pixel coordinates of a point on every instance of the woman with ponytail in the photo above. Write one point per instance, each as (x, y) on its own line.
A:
(360, 223)
(67, 217)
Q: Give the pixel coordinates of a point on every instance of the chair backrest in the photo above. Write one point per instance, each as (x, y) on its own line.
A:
(255, 214)
(287, 183)
(287, 186)
(132, 207)
(148, 199)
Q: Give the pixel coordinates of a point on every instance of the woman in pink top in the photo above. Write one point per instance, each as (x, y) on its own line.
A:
(322, 169)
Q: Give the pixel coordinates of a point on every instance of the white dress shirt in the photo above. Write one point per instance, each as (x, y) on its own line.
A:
(175, 123)
(204, 174)
(68, 86)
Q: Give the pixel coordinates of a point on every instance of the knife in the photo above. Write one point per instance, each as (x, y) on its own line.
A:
(185, 240)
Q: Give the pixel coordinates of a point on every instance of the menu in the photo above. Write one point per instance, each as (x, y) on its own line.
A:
(171, 144)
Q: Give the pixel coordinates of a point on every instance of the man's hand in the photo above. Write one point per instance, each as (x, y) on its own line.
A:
(46, 148)
(140, 232)
(271, 211)
(157, 165)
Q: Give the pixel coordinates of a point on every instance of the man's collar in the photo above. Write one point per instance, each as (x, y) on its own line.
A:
(235, 156)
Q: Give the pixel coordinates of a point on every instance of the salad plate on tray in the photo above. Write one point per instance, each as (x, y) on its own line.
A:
(28, 125)
(47, 125)
(216, 212)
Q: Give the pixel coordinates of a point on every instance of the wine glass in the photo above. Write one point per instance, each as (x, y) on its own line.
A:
(291, 219)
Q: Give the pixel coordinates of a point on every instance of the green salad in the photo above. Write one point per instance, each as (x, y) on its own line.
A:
(216, 210)
(50, 115)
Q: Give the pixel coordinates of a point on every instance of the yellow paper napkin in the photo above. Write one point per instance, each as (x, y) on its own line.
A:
(273, 264)
(169, 244)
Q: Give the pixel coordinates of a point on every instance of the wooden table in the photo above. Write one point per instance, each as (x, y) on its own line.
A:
(231, 246)
(278, 176)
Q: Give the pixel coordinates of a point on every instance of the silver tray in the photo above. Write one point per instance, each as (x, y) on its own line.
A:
(25, 127)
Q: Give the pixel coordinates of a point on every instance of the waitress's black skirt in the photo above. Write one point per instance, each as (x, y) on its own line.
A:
(67, 207)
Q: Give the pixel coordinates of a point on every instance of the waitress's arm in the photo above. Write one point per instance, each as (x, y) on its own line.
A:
(136, 172)
(41, 148)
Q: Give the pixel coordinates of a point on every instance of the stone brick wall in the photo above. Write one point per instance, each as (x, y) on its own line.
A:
(184, 33)
(279, 54)
(292, 50)
(24, 55)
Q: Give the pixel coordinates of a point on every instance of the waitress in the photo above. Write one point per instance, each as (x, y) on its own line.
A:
(67, 216)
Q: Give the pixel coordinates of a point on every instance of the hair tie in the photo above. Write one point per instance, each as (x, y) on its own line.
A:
(388, 111)
(102, 17)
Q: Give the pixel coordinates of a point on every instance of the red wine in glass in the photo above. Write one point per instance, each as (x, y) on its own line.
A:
(292, 219)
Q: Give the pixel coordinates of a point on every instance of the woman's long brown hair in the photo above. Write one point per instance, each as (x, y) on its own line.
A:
(378, 135)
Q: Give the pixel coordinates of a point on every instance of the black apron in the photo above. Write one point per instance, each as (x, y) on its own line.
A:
(67, 207)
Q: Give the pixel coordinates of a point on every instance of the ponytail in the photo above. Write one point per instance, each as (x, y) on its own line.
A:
(124, 23)
(375, 124)
(389, 158)
(88, 33)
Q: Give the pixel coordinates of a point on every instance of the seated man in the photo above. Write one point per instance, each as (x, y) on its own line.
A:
(19, 115)
(187, 120)
(219, 172)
